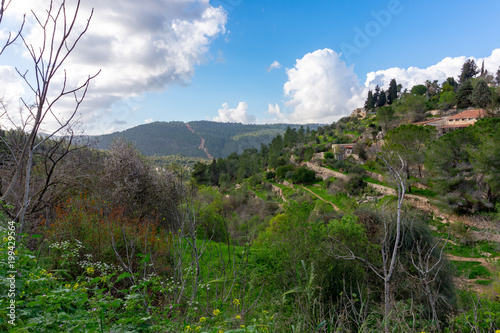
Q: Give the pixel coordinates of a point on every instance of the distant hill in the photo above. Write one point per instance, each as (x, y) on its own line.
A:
(185, 139)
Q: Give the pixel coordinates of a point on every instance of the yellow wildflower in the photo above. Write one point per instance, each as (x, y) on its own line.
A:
(90, 270)
(187, 328)
(202, 319)
(216, 312)
(236, 302)
(237, 317)
(242, 326)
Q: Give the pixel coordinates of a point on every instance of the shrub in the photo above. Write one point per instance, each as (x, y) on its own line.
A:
(304, 176)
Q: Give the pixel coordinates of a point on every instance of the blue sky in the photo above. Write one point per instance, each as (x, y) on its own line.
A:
(211, 60)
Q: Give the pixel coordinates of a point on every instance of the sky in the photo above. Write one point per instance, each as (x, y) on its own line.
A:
(248, 61)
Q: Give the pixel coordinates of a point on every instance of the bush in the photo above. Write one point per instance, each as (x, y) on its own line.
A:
(304, 176)
(329, 155)
(270, 175)
(282, 171)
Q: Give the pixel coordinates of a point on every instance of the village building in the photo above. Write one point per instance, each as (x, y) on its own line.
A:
(460, 120)
(342, 151)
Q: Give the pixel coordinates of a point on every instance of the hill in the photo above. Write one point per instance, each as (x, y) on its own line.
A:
(197, 138)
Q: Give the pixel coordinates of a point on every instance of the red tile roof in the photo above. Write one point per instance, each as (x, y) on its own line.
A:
(427, 121)
(469, 114)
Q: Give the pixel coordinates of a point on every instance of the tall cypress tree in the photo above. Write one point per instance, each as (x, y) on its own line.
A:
(392, 93)
(376, 95)
(369, 103)
(382, 99)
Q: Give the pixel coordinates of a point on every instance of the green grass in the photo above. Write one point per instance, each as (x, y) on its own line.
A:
(474, 251)
(426, 192)
(484, 282)
(261, 194)
(374, 181)
(339, 200)
(471, 269)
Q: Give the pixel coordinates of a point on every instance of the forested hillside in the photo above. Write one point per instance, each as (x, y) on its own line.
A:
(175, 138)
(378, 222)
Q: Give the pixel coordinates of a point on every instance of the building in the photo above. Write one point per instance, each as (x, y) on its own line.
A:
(463, 119)
(342, 151)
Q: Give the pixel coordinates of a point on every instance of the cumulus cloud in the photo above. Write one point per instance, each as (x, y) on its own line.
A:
(139, 46)
(236, 115)
(148, 121)
(321, 88)
(448, 67)
(274, 65)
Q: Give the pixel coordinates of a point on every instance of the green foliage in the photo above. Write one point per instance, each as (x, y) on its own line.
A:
(304, 176)
(481, 95)
(419, 90)
(356, 185)
(464, 163)
(447, 100)
(385, 115)
(464, 95)
(282, 171)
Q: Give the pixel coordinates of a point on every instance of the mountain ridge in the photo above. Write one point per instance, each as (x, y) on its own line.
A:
(197, 138)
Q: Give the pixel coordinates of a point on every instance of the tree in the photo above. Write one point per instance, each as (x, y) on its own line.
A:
(390, 244)
(382, 99)
(481, 94)
(58, 43)
(385, 115)
(449, 85)
(11, 38)
(134, 184)
(464, 95)
(464, 166)
(469, 70)
(447, 100)
(419, 90)
(376, 95)
(497, 78)
(410, 142)
(370, 103)
(392, 93)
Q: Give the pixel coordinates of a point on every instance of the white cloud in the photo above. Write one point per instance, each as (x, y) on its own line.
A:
(321, 88)
(274, 65)
(139, 46)
(148, 121)
(448, 67)
(237, 115)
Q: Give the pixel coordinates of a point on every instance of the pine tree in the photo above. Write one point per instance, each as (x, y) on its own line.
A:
(481, 95)
(464, 95)
(469, 70)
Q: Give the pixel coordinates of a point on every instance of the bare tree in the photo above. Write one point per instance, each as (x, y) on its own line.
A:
(59, 41)
(12, 37)
(391, 239)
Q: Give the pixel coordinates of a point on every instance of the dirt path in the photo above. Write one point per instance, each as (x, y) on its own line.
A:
(331, 203)
(202, 144)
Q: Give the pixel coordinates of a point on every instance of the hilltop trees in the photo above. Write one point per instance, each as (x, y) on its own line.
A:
(481, 95)
(469, 70)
